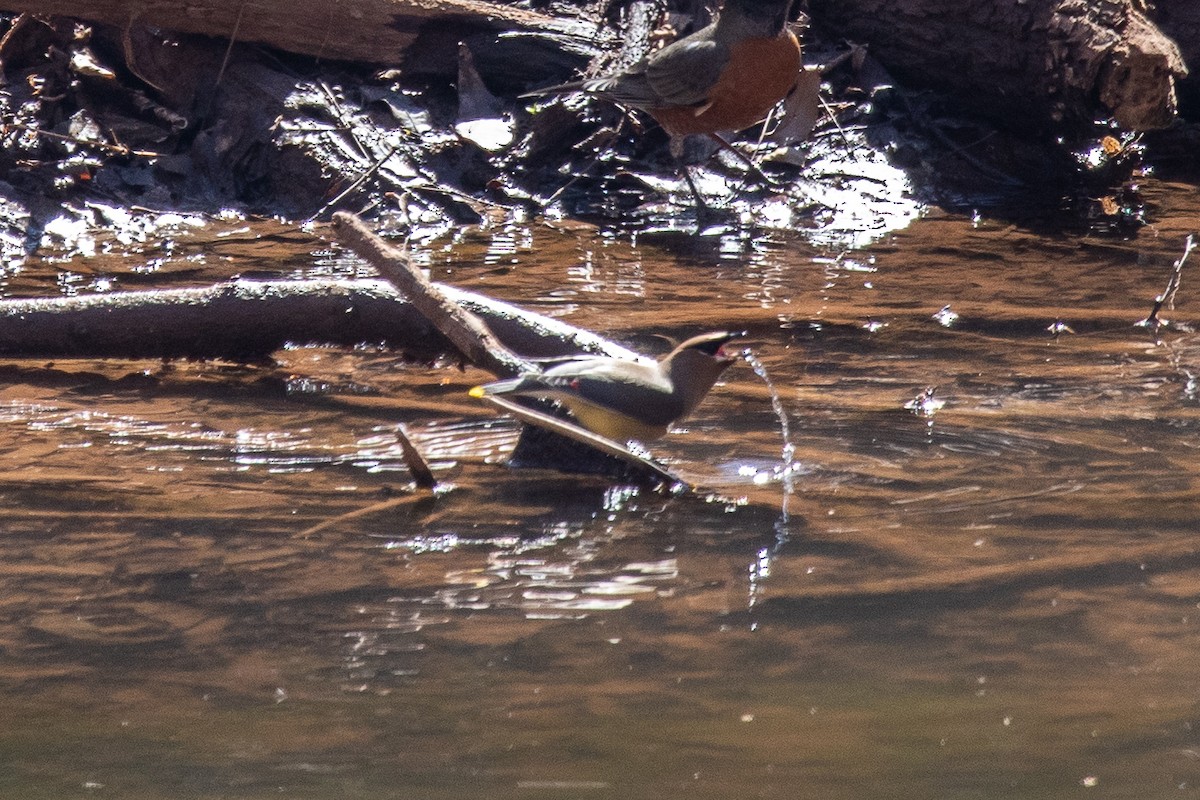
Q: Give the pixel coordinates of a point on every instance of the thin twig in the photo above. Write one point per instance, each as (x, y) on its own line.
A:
(354, 185)
(601, 151)
(932, 128)
(837, 124)
(340, 113)
(115, 149)
(374, 508)
(1167, 298)
(751, 167)
(237, 26)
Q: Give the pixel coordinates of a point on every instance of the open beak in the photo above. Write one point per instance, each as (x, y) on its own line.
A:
(724, 354)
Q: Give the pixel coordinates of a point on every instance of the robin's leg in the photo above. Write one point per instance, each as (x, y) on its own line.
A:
(678, 146)
(703, 209)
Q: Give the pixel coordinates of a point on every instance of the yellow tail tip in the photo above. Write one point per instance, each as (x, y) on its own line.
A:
(477, 391)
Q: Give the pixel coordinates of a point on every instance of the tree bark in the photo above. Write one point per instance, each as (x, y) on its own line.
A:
(1052, 63)
(1180, 19)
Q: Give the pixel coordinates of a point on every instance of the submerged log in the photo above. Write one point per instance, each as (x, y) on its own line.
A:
(1043, 64)
(249, 320)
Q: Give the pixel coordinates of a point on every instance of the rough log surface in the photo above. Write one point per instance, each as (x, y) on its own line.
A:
(1180, 19)
(1045, 62)
(372, 31)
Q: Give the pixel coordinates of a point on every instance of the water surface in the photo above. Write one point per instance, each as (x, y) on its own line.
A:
(986, 584)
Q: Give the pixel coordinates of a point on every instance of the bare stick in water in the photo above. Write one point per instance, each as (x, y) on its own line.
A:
(608, 447)
(1167, 298)
(465, 330)
(416, 462)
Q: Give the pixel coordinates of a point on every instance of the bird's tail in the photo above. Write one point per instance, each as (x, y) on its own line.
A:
(498, 387)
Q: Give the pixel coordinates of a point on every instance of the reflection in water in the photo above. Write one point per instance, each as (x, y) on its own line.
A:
(1003, 603)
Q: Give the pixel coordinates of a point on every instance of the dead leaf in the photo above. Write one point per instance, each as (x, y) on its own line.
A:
(482, 118)
(801, 109)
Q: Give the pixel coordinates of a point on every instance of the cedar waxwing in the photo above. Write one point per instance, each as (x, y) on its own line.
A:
(622, 399)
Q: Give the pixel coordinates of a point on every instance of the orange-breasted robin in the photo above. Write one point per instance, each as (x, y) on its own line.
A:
(724, 77)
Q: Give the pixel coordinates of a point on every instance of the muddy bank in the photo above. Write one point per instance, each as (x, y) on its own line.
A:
(139, 115)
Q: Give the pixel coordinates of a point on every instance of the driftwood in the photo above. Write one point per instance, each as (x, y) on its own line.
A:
(372, 31)
(1043, 63)
(1039, 63)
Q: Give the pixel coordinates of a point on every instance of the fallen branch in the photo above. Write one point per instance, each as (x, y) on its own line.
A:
(112, 149)
(374, 31)
(465, 330)
(247, 320)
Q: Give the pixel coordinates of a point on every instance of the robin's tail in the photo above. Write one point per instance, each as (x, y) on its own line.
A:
(562, 88)
(589, 86)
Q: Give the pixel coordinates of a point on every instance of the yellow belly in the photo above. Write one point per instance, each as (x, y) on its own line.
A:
(610, 425)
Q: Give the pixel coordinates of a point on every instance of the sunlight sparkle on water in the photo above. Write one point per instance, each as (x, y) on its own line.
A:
(945, 317)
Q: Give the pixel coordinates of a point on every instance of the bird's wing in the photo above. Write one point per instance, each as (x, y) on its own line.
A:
(683, 74)
(629, 87)
(633, 389)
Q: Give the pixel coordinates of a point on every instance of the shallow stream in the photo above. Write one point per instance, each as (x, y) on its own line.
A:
(985, 584)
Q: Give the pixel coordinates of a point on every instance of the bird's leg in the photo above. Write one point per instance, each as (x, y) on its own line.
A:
(703, 210)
